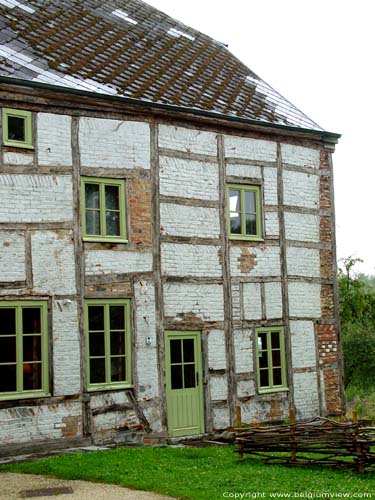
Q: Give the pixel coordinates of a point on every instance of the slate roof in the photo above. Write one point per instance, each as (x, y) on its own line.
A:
(130, 49)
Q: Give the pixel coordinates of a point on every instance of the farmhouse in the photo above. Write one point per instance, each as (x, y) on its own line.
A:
(167, 234)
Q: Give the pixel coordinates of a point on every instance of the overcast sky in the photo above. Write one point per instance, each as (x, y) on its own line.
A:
(319, 55)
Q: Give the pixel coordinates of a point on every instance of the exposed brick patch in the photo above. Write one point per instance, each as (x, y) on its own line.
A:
(325, 192)
(140, 212)
(325, 229)
(327, 344)
(326, 264)
(73, 427)
(324, 160)
(220, 256)
(332, 392)
(246, 261)
(276, 410)
(327, 302)
(124, 288)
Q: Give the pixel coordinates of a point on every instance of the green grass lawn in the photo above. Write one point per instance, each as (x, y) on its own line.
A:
(199, 473)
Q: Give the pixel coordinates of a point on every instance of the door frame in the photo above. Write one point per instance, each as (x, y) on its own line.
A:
(197, 334)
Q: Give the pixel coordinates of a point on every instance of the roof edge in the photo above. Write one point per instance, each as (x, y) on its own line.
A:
(329, 136)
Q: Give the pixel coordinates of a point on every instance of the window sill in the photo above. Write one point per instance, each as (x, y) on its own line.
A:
(17, 145)
(104, 239)
(23, 395)
(272, 390)
(109, 387)
(245, 238)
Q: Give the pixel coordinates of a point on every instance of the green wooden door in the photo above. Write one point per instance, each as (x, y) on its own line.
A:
(184, 383)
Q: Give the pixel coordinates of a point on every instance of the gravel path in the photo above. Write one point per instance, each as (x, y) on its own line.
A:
(16, 486)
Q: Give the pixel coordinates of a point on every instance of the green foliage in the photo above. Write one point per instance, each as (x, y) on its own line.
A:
(197, 473)
(357, 313)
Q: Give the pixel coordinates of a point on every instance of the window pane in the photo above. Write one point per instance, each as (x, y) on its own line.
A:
(8, 378)
(263, 359)
(118, 371)
(189, 376)
(7, 321)
(97, 344)
(251, 224)
(262, 341)
(188, 350)
(96, 317)
(277, 376)
(234, 200)
(235, 223)
(97, 371)
(276, 358)
(16, 128)
(117, 343)
(31, 320)
(275, 340)
(175, 351)
(176, 377)
(92, 196)
(112, 223)
(264, 379)
(112, 197)
(32, 348)
(250, 201)
(32, 376)
(7, 349)
(117, 317)
(93, 222)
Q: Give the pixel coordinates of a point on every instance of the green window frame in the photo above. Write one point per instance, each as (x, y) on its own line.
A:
(108, 343)
(13, 118)
(103, 216)
(245, 217)
(23, 349)
(271, 359)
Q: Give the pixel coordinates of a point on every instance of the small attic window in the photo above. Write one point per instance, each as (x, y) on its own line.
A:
(17, 129)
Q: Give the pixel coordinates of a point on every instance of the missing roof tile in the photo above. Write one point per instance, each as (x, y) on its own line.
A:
(123, 15)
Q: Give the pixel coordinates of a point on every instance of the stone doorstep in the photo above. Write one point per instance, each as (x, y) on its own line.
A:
(46, 492)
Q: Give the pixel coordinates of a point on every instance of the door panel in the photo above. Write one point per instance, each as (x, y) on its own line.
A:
(184, 383)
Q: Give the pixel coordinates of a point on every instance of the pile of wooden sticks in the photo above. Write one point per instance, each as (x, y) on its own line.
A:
(320, 441)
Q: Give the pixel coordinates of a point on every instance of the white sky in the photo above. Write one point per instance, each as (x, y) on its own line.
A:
(320, 55)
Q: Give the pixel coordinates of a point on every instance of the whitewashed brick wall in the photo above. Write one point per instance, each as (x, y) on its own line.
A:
(243, 351)
(12, 260)
(220, 418)
(304, 300)
(274, 307)
(190, 260)
(252, 299)
(36, 198)
(236, 301)
(270, 186)
(303, 344)
(35, 423)
(237, 170)
(189, 178)
(245, 388)
(204, 301)
(11, 158)
(182, 220)
(216, 350)
(301, 190)
(218, 387)
(66, 349)
(306, 395)
(272, 224)
(53, 262)
(302, 227)
(187, 140)
(303, 262)
(117, 262)
(249, 149)
(145, 356)
(267, 260)
(54, 139)
(114, 143)
(300, 156)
